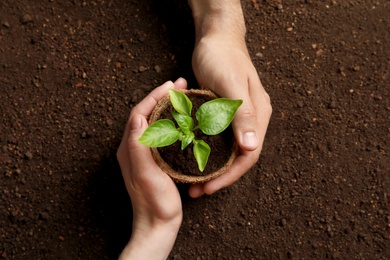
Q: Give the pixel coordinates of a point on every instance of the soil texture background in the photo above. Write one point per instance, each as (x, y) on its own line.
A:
(71, 70)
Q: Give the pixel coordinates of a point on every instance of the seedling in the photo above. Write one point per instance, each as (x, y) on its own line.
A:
(213, 117)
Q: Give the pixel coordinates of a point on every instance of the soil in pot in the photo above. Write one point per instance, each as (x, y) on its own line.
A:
(183, 160)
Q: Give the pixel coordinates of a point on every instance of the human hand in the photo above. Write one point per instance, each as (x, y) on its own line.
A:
(222, 64)
(157, 210)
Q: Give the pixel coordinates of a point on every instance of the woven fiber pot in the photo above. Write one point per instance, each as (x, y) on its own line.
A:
(161, 106)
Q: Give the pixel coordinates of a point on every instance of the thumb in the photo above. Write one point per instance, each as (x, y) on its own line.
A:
(138, 153)
(245, 127)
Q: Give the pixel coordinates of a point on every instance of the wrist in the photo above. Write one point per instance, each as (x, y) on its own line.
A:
(224, 17)
(151, 241)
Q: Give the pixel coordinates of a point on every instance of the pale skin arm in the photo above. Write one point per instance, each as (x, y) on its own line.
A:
(221, 63)
(157, 211)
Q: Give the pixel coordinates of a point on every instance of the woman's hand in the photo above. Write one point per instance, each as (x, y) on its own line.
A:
(155, 199)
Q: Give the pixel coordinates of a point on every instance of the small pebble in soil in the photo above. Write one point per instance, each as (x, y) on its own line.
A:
(142, 68)
(260, 55)
(44, 215)
(109, 122)
(26, 19)
(28, 155)
(6, 24)
(332, 104)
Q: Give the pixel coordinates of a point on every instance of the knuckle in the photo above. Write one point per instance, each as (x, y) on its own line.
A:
(254, 157)
(248, 112)
(120, 155)
(132, 142)
(267, 106)
(269, 109)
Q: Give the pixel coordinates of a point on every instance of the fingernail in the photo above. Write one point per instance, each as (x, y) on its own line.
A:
(136, 122)
(180, 82)
(179, 79)
(249, 139)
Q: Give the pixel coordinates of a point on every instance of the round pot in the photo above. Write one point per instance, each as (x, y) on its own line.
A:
(178, 176)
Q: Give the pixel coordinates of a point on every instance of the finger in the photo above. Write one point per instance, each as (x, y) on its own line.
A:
(264, 111)
(128, 147)
(245, 126)
(139, 155)
(146, 106)
(123, 153)
(196, 190)
(247, 120)
(180, 83)
(240, 166)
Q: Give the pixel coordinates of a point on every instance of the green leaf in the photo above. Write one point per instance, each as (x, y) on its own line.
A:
(186, 140)
(216, 115)
(201, 151)
(186, 123)
(180, 102)
(159, 134)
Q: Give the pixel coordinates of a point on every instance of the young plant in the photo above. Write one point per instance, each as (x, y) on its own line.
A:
(213, 117)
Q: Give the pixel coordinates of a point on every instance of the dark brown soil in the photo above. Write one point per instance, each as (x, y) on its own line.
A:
(71, 70)
(221, 146)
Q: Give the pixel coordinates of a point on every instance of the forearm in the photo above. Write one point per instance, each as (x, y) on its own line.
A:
(151, 242)
(218, 16)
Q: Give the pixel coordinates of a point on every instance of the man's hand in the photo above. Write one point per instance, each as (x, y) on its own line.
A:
(222, 64)
(155, 199)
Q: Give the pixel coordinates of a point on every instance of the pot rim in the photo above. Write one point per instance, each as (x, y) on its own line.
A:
(177, 176)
